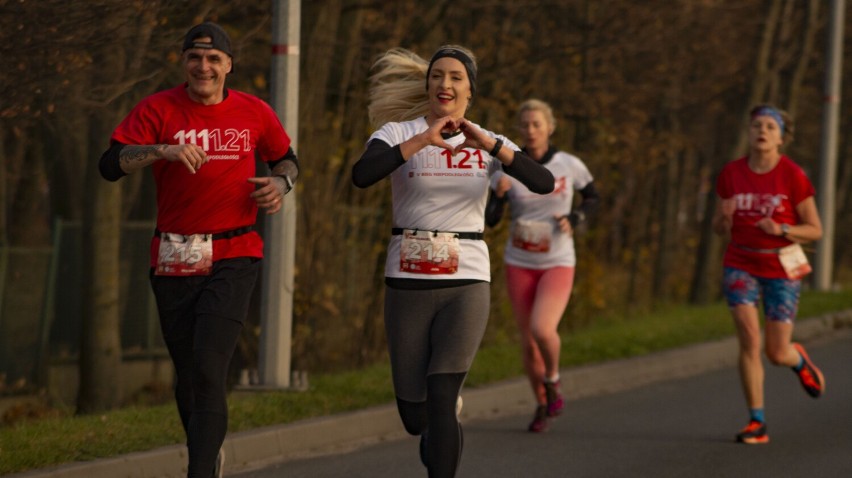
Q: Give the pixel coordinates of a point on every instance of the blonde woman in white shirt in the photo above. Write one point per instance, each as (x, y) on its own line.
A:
(437, 271)
(539, 253)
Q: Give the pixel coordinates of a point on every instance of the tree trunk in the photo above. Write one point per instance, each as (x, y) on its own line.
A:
(100, 347)
(709, 249)
(668, 199)
(100, 335)
(4, 218)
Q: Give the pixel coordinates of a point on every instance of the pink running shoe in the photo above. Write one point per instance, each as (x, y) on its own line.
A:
(539, 422)
(555, 402)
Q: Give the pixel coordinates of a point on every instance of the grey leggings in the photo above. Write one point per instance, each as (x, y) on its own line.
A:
(433, 331)
(433, 336)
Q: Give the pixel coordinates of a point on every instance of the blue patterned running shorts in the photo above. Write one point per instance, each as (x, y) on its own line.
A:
(780, 296)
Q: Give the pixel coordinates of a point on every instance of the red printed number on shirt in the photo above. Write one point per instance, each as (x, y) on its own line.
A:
(228, 140)
(465, 158)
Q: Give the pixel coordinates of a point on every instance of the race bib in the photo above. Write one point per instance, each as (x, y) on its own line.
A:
(426, 252)
(532, 236)
(794, 261)
(181, 255)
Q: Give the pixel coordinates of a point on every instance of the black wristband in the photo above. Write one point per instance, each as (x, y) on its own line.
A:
(494, 151)
(576, 218)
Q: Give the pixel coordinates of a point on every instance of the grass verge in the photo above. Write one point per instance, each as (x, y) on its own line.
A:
(65, 438)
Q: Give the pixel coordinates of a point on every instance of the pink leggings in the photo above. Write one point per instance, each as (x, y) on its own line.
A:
(539, 298)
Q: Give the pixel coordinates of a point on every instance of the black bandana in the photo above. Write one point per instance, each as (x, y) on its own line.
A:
(459, 55)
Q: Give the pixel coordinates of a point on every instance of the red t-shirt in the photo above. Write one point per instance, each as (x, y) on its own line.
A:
(217, 197)
(774, 194)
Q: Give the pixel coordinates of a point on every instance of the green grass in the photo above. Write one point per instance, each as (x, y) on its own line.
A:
(60, 439)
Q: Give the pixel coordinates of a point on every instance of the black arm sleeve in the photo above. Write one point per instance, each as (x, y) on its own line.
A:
(530, 173)
(109, 165)
(587, 207)
(494, 208)
(289, 156)
(377, 162)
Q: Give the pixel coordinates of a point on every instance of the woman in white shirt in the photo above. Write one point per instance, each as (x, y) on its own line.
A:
(437, 271)
(539, 253)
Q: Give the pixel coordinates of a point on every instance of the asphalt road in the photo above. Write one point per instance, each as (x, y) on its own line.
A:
(676, 428)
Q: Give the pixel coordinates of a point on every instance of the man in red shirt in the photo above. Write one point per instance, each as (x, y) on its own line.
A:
(200, 140)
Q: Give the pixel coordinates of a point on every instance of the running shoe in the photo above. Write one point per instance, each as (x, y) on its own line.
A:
(539, 423)
(555, 402)
(810, 376)
(219, 467)
(753, 434)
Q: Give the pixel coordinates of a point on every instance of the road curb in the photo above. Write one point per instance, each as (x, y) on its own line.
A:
(255, 448)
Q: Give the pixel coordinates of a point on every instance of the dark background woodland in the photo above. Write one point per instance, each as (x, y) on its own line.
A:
(651, 94)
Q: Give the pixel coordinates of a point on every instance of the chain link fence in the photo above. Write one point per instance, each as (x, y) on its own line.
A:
(41, 305)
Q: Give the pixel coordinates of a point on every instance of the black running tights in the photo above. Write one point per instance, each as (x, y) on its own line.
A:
(201, 318)
(437, 418)
(200, 392)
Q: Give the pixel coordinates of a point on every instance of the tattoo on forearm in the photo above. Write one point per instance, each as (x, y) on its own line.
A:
(133, 154)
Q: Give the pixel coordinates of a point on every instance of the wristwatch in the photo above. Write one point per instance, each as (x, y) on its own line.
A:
(785, 229)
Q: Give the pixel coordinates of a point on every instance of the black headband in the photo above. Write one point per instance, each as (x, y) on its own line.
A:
(459, 55)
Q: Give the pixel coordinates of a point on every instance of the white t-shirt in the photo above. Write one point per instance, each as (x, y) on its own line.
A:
(535, 240)
(434, 191)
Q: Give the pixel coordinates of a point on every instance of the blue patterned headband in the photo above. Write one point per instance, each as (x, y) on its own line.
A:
(772, 113)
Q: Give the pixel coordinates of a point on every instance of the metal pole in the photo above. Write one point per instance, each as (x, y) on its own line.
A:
(826, 192)
(280, 230)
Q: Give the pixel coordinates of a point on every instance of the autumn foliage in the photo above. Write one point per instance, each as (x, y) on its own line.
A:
(651, 94)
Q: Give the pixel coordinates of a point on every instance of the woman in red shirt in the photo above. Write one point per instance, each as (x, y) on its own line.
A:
(767, 209)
